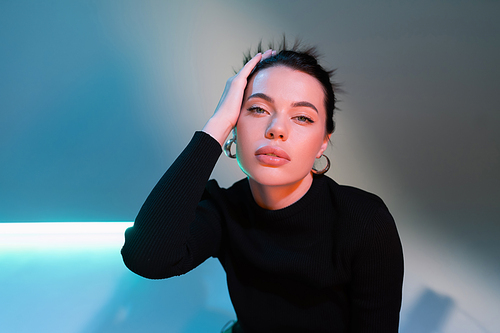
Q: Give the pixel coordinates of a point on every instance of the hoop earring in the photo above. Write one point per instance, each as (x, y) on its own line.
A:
(227, 147)
(325, 169)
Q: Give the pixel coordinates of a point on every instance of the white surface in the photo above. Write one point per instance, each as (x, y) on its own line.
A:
(69, 277)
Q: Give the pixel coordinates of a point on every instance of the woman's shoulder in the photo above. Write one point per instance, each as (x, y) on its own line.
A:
(237, 193)
(353, 202)
(351, 193)
(364, 219)
(237, 188)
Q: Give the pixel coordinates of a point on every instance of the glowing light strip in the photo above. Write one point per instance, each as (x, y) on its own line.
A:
(62, 235)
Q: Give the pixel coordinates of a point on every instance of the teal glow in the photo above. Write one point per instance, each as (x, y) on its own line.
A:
(62, 235)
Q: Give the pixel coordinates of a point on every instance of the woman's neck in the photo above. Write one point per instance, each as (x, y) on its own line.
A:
(275, 197)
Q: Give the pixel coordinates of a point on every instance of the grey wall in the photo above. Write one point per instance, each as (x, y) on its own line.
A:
(97, 99)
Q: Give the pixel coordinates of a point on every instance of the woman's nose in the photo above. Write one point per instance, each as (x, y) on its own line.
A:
(277, 129)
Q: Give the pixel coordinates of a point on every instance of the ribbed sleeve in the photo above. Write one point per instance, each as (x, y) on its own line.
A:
(377, 266)
(164, 239)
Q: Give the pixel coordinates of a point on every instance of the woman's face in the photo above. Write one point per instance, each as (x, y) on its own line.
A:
(281, 127)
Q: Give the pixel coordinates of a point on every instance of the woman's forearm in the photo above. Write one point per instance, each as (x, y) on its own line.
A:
(159, 239)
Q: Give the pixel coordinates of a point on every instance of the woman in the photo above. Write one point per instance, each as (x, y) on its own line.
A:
(301, 253)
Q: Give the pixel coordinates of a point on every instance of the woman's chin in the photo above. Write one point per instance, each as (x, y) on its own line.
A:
(277, 177)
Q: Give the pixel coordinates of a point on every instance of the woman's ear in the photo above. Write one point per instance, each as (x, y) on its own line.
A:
(324, 145)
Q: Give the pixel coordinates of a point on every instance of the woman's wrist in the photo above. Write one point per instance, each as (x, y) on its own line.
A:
(218, 129)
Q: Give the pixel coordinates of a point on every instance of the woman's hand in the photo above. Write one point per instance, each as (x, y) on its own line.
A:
(228, 110)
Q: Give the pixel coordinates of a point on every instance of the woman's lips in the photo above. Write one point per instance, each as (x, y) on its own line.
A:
(272, 156)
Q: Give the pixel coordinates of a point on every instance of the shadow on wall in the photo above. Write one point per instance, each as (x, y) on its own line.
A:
(429, 314)
(172, 305)
(435, 313)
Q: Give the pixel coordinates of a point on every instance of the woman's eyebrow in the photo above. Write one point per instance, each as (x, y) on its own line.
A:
(263, 96)
(294, 104)
(306, 104)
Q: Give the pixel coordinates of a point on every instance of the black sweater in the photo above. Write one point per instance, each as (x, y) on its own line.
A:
(330, 262)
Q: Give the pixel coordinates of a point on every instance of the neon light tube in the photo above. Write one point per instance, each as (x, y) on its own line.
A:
(62, 235)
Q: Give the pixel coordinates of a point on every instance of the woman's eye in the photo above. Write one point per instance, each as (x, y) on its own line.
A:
(304, 119)
(256, 109)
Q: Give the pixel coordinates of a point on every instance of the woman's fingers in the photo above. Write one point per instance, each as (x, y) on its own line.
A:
(247, 69)
(269, 53)
(250, 65)
(228, 110)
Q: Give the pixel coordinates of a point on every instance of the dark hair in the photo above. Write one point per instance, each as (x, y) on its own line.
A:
(303, 59)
